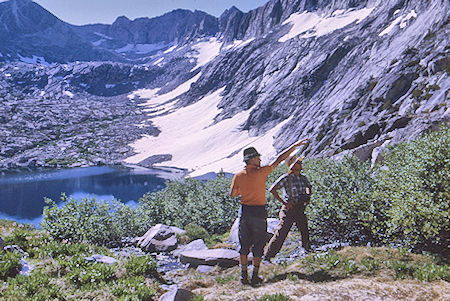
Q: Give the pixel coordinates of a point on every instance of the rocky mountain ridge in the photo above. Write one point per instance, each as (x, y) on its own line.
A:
(350, 75)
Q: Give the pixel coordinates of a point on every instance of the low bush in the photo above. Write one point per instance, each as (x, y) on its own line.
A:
(37, 286)
(340, 207)
(194, 231)
(9, 264)
(133, 289)
(371, 261)
(90, 221)
(207, 204)
(141, 266)
(274, 297)
(90, 275)
(413, 187)
(25, 238)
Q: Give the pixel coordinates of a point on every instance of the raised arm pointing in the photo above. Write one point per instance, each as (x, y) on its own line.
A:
(285, 153)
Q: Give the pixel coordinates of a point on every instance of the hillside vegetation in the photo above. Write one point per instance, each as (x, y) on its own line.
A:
(400, 208)
(405, 201)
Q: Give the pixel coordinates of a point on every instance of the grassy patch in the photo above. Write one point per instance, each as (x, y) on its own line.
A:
(274, 297)
(398, 263)
(61, 270)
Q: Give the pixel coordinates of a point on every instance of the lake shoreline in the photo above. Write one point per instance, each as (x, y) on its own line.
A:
(23, 192)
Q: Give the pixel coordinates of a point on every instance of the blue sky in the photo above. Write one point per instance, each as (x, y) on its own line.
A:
(79, 12)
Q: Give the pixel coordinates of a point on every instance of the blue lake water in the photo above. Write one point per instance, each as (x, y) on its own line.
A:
(22, 194)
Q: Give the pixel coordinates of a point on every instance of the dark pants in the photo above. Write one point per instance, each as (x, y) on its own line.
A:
(287, 219)
(252, 230)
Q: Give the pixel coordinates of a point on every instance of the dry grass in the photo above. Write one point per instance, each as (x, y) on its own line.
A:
(347, 289)
(298, 280)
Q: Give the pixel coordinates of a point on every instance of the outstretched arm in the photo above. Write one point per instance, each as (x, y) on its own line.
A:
(285, 154)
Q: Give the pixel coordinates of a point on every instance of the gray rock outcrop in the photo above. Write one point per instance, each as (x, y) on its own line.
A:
(222, 257)
(159, 238)
(177, 294)
(101, 258)
(272, 224)
(195, 245)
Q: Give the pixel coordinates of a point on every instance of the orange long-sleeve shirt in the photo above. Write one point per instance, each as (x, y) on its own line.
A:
(250, 184)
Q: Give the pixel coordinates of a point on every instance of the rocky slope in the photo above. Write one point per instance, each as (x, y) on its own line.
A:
(350, 75)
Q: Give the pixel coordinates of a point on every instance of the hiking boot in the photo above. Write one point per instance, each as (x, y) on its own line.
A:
(244, 280)
(256, 281)
(308, 248)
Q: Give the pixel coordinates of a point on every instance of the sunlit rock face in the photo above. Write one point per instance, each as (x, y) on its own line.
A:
(349, 75)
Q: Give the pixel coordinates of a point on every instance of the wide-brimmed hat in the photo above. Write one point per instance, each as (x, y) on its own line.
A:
(250, 152)
(297, 160)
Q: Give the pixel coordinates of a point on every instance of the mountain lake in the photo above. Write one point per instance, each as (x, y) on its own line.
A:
(22, 195)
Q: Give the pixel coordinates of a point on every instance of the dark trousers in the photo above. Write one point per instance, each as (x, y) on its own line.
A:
(287, 219)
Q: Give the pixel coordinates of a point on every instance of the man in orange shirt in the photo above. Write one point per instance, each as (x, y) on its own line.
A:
(250, 184)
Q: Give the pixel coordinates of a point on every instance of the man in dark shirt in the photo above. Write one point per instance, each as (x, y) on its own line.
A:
(297, 191)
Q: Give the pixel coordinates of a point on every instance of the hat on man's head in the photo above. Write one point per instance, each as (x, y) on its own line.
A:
(297, 160)
(249, 153)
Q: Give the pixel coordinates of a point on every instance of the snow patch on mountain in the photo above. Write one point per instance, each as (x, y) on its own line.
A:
(310, 24)
(402, 20)
(35, 60)
(158, 62)
(239, 44)
(206, 51)
(198, 144)
(154, 99)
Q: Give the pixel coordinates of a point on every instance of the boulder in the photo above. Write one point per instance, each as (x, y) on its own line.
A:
(377, 153)
(101, 258)
(26, 267)
(177, 294)
(272, 224)
(195, 245)
(13, 248)
(204, 268)
(159, 238)
(222, 257)
(364, 152)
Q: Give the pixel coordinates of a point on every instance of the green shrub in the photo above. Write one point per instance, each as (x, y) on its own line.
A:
(431, 272)
(90, 221)
(90, 275)
(9, 264)
(340, 206)
(414, 187)
(141, 266)
(133, 289)
(194, 231)
(370, 264)
(54, 249)
(25, 238)
(225, 279)
(206, 204)
(37, 287)
(274, 297)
